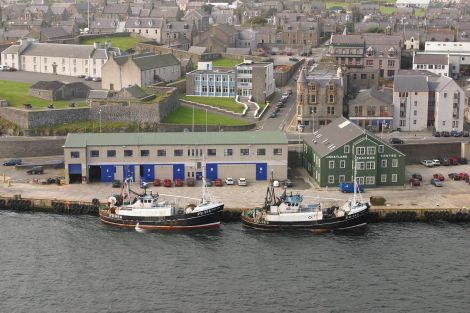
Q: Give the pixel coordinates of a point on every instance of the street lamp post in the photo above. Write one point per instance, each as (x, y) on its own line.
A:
(100, 119)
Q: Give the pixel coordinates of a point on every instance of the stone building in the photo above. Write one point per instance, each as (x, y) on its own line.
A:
(320, 96)
(56, 90)
(333, 153)
(139, 69)
(372, 110)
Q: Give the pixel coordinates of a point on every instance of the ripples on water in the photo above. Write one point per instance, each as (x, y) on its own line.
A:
(53, 263)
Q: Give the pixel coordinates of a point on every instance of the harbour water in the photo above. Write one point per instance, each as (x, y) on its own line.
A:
(55, 263)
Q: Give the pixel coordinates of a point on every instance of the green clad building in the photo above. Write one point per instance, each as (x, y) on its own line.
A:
(330, 154)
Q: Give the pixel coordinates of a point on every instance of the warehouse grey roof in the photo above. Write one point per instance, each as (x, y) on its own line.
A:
(47, 85)
(409, 83)
(148, 61)
(59, 50)
(171, 139)
(431, 59)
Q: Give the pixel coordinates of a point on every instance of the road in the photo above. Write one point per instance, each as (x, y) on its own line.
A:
(32, 77)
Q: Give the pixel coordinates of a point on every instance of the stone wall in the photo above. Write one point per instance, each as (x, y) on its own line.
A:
(415, 153)
(180, 54)
(42, 94)
(21, 147)
(282, 77)
(166, 128)
(180, 85)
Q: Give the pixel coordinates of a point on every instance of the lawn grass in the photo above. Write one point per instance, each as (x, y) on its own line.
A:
(184, 116)
(225, 62)
(387, 10)
(124, 43)
(261, 107)
(419, 12)
(16, 94)
(86, 127)
(344, 5)
(224, 103)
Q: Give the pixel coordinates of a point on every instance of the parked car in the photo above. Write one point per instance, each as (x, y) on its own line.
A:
(218, 182)
(276, 183)
(444, 161)
(445, 134)
(179, 182)
(96, 79)
(288, 183)
(4, 68)
(289, 91)
(462, 160)
(349, 187)
(190, 182)
(436, 134)
(463, 176)
(80, 76)
(12, 69)
(427, 163)
(167, 183)
(273, 115)
(35, 170)
(437, 182)
(414, 182)
(455, 133)
(465, 134)
(436, 162)
(229, 181)
(453, 160)
(396, 141)
(208, 182)
(157, 182)
(242, 181)
(88, 78)
(438, 176)
(417, 176)
(454, 176)
(12, 162)
(285, 95)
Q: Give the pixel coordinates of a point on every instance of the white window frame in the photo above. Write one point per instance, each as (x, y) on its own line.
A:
(383, 163)
(370, 165)
(342, 163)
(383, 178)
(371, 150)
(341, 178)
(331, 164)
(361, 166)
(360, 150)
(331, 179)
(381, 149)
(346, 149)
(370, 180)
(394, 178)
(394, 162)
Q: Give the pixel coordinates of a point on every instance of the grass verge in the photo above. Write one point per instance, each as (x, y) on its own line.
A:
(123, 43)
(223, 103)
(225, 62)
(85, 127)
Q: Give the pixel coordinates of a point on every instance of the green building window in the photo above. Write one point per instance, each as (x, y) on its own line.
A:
(331, 179)
(370, 150)
(384, 163)
(370, 180)
(341, 178)
(383, 178)
(346, 149)
(360, 150)
(394, 162)
(394, 178)
(342, 164)
(361, 165)
(370, 165)
(381, 149)
(331, 164)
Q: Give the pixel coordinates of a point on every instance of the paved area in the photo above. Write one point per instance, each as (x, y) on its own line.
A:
(454, 194)
(31, 77)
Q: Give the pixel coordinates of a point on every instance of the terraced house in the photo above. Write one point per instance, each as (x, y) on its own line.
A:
(331, 154)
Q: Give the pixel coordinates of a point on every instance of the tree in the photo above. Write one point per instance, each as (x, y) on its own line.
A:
(257, 20)
(207, 8)
(375, 30)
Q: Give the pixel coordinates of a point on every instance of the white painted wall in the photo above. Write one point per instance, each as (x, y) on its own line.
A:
(445, 121)
(416, 109)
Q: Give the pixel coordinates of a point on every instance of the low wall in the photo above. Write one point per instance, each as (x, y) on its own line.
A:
(415, 153)
(243, 57)
(20, 147)
(202, 128)
(180, 54)
(180, 85)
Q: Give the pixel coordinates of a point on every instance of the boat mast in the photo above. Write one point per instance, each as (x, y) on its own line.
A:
(355, 179)
(203, 179)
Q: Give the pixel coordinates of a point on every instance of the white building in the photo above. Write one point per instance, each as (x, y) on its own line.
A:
(457, 52)
(421, 101)
(62, 59)
(434, 63)
(255, 79)
(148, 27)
(412, 3)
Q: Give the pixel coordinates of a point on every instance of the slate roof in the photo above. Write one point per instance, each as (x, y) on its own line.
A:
(104, 24)
(347, 39)
(98, 94)
(116, 9)
(144, 22)
(147, 61)
(171, 139)
(135, 91)
(54, 32)
(47, 85)
(410, 83)
(197, 50)
(59, 50)
(431, 59)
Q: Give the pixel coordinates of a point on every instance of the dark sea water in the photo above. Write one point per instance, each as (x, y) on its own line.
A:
(53, 263)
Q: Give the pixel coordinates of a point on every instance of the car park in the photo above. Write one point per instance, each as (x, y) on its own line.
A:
(396, 141)
(437, 182)
(167, 182)
(417, 176)
(4, 68)
(229, 181)
(414, 182)
(438, 176)
(462, 160)
(35, 170)
(242, 181)
(444, 161)
(190, 182)
(179, 182)
(157, 182)
(455, 133)
(12, 162)
(80, 76)
(427, 163)
(218, 182)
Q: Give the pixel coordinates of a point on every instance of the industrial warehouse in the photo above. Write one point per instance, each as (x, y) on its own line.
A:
(148, 156)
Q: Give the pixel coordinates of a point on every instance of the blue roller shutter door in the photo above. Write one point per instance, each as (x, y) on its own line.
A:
(107, 173)
(178, 171)
(211, 171)
(261, 171)
(75, 169)
(149, 173)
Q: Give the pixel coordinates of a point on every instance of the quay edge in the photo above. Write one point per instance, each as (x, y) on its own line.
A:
(376, 214)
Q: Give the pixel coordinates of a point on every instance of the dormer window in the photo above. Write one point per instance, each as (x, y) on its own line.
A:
(150, 23)
(137, 22)
(186, 26)
(168, 26)
(391, 52)
(370, 52)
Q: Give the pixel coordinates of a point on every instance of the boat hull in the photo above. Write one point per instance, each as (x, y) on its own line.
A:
(344, 223)
(209, 218)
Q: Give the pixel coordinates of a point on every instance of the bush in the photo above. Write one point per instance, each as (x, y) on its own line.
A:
(377, 200)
